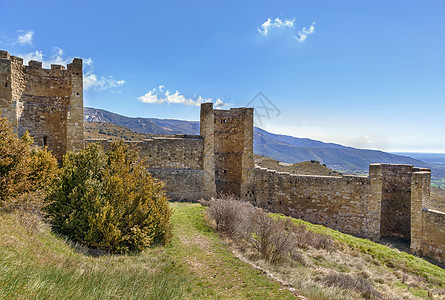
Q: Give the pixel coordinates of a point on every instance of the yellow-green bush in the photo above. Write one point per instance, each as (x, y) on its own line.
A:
(23, 168)
(13, 163)
(43, 168)
(109, 201)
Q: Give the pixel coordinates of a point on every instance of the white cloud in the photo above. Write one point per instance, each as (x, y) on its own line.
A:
(90, 79)
(161, 96)
(304, 32)
(265, 28)
(26, 37)
(286, 24)
(37, 55)
(56, 58)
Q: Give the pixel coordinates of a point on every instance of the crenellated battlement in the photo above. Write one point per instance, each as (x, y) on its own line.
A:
(75, 67)
(4, 54)
(46, 102)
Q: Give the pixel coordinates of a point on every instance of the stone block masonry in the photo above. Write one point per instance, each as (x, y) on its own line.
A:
(177, 160)
(342, 203)
(427, 224)
(228, 139)
(46, 102)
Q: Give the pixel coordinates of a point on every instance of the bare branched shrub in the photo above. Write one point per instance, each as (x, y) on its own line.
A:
(228, 213)
(274, 239)
(347, 282)
(305, 238)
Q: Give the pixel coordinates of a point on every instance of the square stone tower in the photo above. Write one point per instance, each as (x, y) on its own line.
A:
(46, 102)
(228, 148)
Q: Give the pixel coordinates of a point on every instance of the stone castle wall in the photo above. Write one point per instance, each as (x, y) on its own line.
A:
(230, 146)
(46, 102)
(342, 203)
(177, 160)
(394, 200)
(427, 224)
(433, 239)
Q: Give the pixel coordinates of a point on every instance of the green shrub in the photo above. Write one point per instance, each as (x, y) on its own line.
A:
(43, 168)
(109, 201)
(14, 164)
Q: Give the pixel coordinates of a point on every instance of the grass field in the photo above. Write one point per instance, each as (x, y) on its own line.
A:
(198, 264)
(36, 264)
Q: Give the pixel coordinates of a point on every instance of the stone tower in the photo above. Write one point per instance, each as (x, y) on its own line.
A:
(46, 102)
(228, 148)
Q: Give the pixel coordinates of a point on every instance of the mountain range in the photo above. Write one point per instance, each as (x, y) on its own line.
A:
(284, 148)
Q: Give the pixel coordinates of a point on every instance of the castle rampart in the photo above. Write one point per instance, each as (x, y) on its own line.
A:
(341, 203)
(229, 142)
(394, 200)
(177, 160)
(46, 102)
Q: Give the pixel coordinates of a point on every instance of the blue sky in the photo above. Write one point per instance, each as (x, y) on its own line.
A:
(368, 74)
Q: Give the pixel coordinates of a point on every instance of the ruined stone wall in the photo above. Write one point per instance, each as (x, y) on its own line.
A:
(396, 200)
(427, 225)
(181, 184)
(342, 203)
(437, 203)
(46, 102)
(233, 149)
(176, 160)
(433, 239)
(167, 152)
(372, 207)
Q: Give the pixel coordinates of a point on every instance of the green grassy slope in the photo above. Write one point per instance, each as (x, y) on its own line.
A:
(34, 263)
(393, 274)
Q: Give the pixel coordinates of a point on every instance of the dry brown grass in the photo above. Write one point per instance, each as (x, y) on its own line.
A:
(314, 263)
(274, 240)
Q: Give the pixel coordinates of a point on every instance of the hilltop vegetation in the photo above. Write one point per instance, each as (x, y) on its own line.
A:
(108, 200)
(110, 131)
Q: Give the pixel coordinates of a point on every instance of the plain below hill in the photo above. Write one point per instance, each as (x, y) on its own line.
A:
(284, 148)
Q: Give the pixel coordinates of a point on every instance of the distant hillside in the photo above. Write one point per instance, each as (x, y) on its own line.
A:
(284, 148)
(110, 131)
(291, 149)
(312, 167)
(142, 125)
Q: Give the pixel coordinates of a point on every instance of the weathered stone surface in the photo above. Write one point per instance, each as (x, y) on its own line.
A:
(176, 160)
(181, 184)
(46, 102)
(341, 203)
(427, 224)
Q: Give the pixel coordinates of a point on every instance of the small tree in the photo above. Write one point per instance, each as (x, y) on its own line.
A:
(109, 201)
